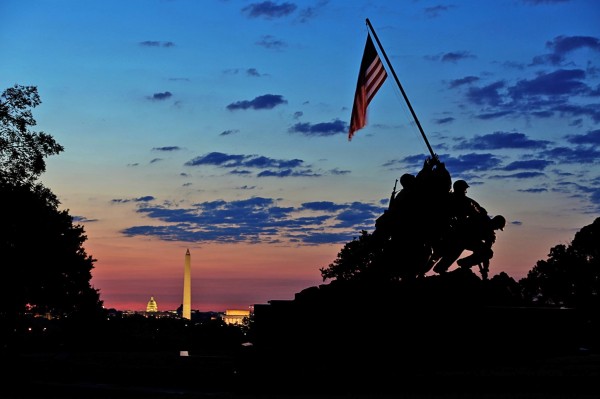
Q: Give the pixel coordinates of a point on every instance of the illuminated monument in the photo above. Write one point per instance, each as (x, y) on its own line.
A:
(187, 287)
(152, 306)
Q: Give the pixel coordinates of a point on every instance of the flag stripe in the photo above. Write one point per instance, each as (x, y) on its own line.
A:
(371, 76)
(375, 77)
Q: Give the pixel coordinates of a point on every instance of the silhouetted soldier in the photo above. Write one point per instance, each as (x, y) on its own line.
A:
(406, 200)
(458, 209)
(410, 245)
(461, 206)
(395, 230)
(434, 179)
(480, 240)
(477, 234)
(433, 183)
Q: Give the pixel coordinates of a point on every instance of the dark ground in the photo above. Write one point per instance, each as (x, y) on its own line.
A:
(157, 375)
(447, 337)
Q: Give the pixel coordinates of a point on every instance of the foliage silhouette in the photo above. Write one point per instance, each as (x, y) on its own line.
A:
(46, 270)
(571, 274)
(355, 260)
(22, 151)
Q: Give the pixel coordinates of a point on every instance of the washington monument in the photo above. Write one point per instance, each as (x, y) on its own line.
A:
(187, 287)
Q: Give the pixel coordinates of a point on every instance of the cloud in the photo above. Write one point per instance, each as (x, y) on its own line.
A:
(557, 92)
(326, 206)
(336, 171)
(520, 175)
(566, 44)
(443, 121)
(562, 45)
(152, 43)
(253, 72)
(240, 172)
(435, 11)
(228, 132)
(537, 2)
(83, 219)
(467, 80)
(248, 164)
(453, 56)
(536, 164)
(146, 198)
(563, 91)
(591, 110)
(218, 159)
(577, 155)
(592, 137)
(586, 151)
(320, 129)
(456, 56)
(594, 197)
(161, 96)
(270, 42)
(167, 148)
(258, 220)
(466, 163)
(493, 115)
(471, 162)
(231, 161)
(308, 13)
(500, 140)
(534, 190)
(266, 101)
(560, 82)
(486, 95)
(356, 215)
(288, 173)
(269, 10)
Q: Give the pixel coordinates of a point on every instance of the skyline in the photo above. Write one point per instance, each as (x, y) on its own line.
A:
(222, 127)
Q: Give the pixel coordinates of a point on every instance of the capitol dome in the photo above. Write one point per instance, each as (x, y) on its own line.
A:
(152, 306)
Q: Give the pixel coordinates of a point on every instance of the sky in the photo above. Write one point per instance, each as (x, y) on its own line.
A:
(221, 126)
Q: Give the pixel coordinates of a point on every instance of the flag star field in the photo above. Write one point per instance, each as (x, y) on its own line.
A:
(222, 126)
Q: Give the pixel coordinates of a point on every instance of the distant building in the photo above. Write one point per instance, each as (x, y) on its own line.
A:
(235, 316)
(152, 306)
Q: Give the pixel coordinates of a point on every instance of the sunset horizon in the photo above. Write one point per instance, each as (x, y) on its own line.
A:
(222, 127)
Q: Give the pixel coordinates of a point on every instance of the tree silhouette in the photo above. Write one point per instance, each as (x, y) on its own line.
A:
(571, 274)
(22, 151)
(45, 267)
(359, 259)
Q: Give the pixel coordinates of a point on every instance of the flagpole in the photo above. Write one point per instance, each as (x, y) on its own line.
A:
(401, 89)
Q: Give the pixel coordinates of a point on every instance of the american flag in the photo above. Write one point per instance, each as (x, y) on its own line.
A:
(370, 78)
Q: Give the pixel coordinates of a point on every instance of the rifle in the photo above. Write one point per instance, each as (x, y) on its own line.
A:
(393, 194)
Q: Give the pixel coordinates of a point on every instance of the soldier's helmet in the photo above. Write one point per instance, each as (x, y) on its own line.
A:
(407, 180)
(460, 185)
(499, 222)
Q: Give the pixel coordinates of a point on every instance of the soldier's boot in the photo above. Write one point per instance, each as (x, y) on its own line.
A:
(483, 269)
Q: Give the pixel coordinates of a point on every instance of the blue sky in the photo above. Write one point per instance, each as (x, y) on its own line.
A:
(221, 126)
